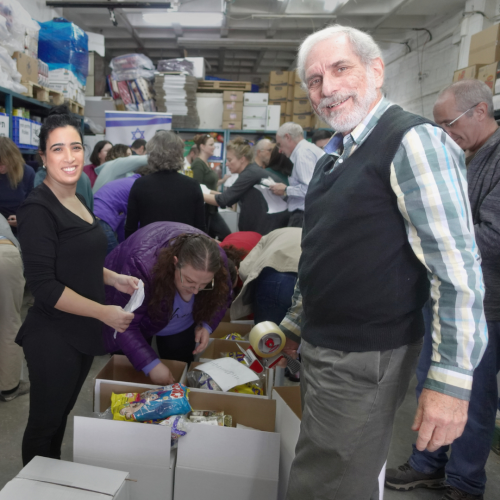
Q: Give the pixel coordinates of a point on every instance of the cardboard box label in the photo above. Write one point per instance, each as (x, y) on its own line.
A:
(24, 132)
(4, 125)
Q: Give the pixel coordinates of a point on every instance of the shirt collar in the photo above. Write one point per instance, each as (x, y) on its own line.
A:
(362, 130)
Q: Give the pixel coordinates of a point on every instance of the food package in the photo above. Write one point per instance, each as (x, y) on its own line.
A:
(233, 336)
(176, 66)
(151, 406)
(210, 417)
(131, 67)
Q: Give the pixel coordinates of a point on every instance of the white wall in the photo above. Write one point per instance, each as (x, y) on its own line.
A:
(39, 11)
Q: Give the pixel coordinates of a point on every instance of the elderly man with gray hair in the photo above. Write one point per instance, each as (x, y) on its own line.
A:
(304, 156)
(386, 220)
(465, 110)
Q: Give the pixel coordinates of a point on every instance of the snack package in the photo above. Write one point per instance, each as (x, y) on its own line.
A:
(179, 425)
(238, 356)
(250, 388)
(233, 336)
(209, 417)
(151, 406)
(200, 380)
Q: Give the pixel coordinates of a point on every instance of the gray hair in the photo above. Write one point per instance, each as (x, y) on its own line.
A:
(262, 144)
(294, 130)
(468, 93)
(363, 45)
(166, 152)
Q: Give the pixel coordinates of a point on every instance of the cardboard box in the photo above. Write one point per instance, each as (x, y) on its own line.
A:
(301, 106)
(281, 104)
(317, 122)
(303, 120)
(297, 78)
(142, 450)
(258, 112)
(273, 118)
(289, 108)
(299, 92)
(278, 78)
(255, 99)
(291, 78)
(233, 116)
(120, 371)
(254, 124)
(288, 418)
(236, 125)
(232, 95)
(226, 328)
(291, 91)
(466, 73)
(282, 119)
(488, 74)
(485, 46)
(48, 479)
(278, 92)
(221, 463)
(233, 105)
(27, 66)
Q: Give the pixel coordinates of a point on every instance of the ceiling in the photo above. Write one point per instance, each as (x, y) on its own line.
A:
(255, 36)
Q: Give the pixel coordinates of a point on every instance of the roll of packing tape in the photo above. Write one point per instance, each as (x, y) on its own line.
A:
(267, 339)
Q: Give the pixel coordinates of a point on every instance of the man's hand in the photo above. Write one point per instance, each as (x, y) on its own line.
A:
(278, 189)
(291, 349)
(440, 419)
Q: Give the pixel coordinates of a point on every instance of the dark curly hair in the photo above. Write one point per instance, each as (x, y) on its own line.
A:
(59, 117)
(203, 254)
(117, 151)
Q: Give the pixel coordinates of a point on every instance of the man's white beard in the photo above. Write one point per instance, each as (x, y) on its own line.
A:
(339, 120)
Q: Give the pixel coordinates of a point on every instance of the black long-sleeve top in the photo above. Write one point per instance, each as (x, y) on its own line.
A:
(165, 196)
(59, 250)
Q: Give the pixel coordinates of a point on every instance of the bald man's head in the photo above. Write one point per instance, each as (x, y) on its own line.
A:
(263, 151)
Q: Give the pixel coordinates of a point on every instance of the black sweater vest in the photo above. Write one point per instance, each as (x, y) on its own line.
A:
(363, 288)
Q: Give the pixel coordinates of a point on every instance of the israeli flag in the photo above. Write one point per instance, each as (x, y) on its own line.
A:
(124, 127)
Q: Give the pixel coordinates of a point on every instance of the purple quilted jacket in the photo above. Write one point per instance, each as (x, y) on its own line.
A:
(136, 256)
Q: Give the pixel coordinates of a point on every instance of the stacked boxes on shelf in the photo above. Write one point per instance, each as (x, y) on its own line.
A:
(96, 79)
(278, 91)
(232, 115)
(258, 114)
(301, 107)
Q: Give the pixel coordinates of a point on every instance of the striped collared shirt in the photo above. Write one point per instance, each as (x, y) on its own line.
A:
(428, 178)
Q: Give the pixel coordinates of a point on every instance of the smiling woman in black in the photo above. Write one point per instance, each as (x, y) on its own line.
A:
(63, 250)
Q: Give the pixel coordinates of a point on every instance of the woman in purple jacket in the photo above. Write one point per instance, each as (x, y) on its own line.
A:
(187, 287)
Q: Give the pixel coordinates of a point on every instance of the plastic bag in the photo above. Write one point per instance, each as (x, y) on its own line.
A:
(151, 406)
(131, 67)
(176, 65)
(64, 45)
(15, 25)
(179, 426)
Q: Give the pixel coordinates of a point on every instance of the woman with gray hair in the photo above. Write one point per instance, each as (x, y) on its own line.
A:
(165, 194)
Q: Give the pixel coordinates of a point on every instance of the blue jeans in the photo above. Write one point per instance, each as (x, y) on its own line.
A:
(273, 295)
(110, 235)
(469, 453)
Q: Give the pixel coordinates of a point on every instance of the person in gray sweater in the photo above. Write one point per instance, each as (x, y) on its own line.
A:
(11, 299)
(465, 110)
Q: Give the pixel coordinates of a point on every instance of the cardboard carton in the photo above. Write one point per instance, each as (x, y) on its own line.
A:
(291, 78)
(230, 115)
(278, 92)
(231, 125)
(221, 463)
(257, 112)
(291, 92)
(273, 117)
(142, 450)
(232, 95)
(299, 92)
(278, 78)
(289, 108)
(297, 78)
(233, 105)
(120, 371)
(303, 120)
(301, 106)
(466, 73)
(48, 479)
(255, 99)
(288, 418)
(488, 74)
(254, 124)
(27, 66)
(485, 46)
(281, 104)
(226, 328)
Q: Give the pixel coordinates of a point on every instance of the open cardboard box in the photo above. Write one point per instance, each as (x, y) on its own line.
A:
(121, 371)
(221, 463)
(49, 479)
(288, 418)
(226, 328)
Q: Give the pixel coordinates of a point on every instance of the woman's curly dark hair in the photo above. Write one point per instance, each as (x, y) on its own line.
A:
(203, 254)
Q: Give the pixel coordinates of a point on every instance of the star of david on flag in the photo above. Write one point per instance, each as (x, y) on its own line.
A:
(137, 134)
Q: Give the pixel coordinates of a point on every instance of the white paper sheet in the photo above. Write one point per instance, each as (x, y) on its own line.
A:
(228, 373)
(135, 301)
(275, 203)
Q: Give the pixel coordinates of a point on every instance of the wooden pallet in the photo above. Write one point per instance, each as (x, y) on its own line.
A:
(74, 107)
(217, 86)
(43, 94)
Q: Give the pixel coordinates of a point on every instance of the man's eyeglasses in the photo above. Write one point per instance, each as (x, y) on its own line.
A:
(204, 289)
(458, 117)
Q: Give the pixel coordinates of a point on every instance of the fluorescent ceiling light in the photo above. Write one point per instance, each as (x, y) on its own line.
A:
(331, 5)
(184, 19)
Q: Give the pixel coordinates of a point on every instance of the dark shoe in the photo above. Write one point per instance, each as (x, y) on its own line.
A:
(24, 388)
(406, 478)
(456, 494)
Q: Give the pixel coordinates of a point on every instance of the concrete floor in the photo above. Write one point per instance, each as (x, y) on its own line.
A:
(13, 418)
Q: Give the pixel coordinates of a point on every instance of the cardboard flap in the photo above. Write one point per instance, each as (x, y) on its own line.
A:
(69, 474)
(226, 328)
(246, 453)
(291, 396)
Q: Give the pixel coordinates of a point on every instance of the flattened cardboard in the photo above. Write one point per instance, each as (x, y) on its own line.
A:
(142, 450)
(121, 371)
(485, 46)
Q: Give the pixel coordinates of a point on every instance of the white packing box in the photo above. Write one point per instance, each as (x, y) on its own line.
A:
(254, 124)
(210, 110)
(143, 450)
(258, 112)
(48, 479)
(255, 99)
(96, 43)
(273, 117)
(221, 463)
(198, 66)
(120, 372)
(288, 418)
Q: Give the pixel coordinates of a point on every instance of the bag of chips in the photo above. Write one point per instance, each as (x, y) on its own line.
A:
(151, 406)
